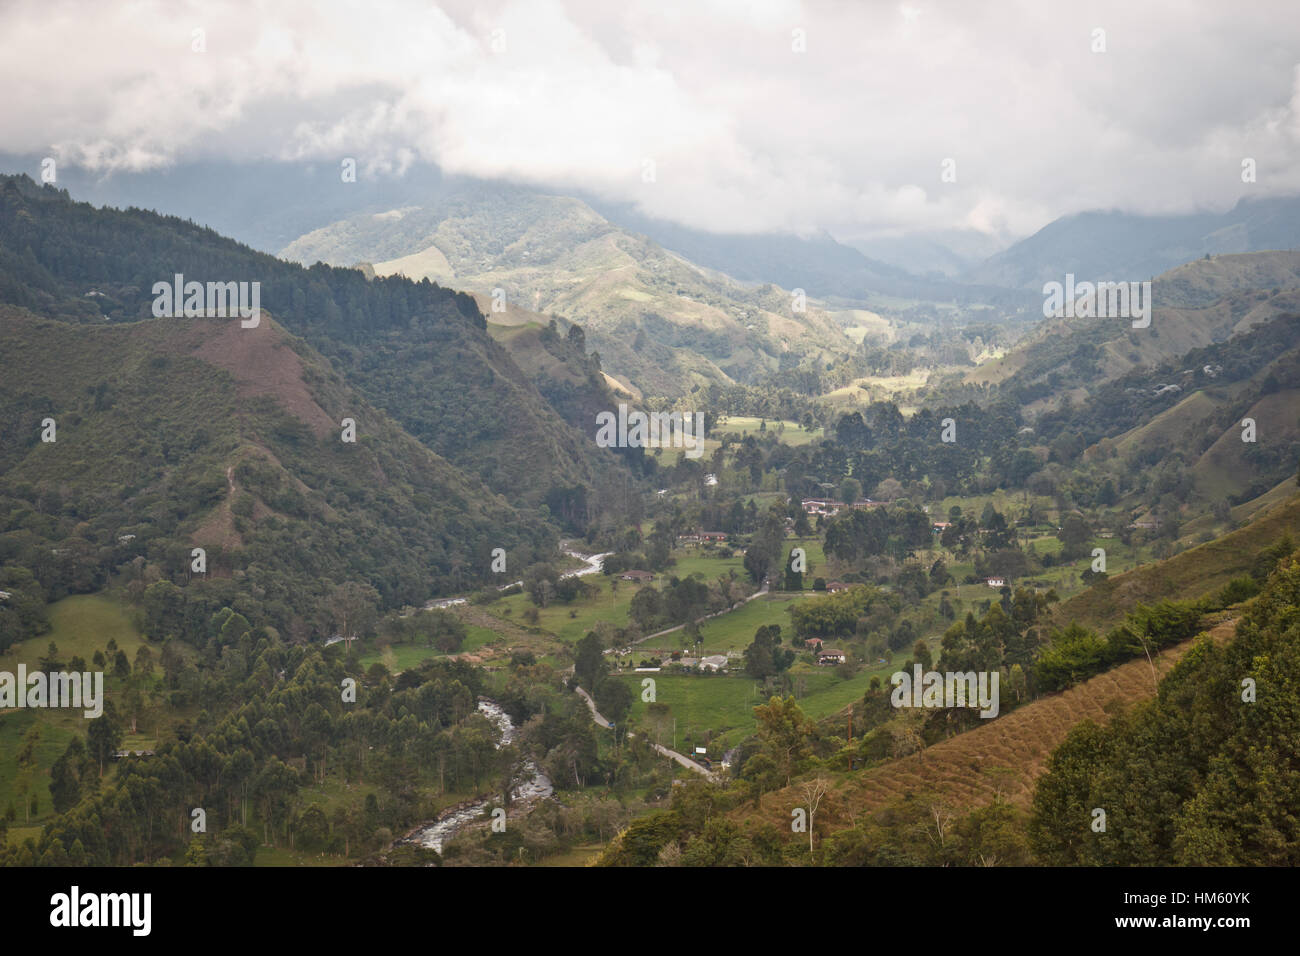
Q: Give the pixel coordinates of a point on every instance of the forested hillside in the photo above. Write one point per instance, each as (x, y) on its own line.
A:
(182, 433)
(1207, 774)
(418, 351)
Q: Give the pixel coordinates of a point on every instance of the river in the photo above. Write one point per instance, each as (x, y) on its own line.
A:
(593, 563)
(536, 785)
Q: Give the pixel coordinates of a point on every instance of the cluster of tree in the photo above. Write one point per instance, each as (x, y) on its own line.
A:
(272, 719)
(1200, 775)
(1077, 653)
(765, 657)
(837, 615)
(682, 600)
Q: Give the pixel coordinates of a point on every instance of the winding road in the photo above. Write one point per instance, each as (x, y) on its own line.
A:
(682, 759)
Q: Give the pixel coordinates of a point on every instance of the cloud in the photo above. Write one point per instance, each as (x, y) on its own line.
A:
(703, 112)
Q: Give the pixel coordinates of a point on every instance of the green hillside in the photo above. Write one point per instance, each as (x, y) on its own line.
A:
(420, 352)
(212, 435)
(656, 319)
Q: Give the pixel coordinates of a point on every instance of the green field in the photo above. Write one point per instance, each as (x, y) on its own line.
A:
(719, 708)
(732, 631)
(570, 622)
(400, 657)
(80, 625)
(789, 433)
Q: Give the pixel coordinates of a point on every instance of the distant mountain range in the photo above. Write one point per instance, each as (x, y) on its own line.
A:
(1115, 245)
(659, 322)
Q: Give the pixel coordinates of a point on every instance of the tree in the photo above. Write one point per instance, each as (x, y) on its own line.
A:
(764, 552)
(104, 735)
(50, 662)
(813, 791)
(764, 657)
(352, 607)
(26, 758)
(784, 734)
(65, 776)
(613, 699)
(589, 660)
(1074, 536)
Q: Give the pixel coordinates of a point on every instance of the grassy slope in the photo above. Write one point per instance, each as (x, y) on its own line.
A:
(1004, 756)
(1197, 571)
(80, 625)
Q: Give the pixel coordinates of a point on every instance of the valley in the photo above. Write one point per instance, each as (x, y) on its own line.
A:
(568, 627)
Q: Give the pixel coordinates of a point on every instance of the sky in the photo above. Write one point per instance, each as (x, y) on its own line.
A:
(752, 116)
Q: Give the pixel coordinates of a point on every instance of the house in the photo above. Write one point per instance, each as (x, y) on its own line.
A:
(996, 582)
(710, 480)
(834, 586)
(939, 527)
(821, 506)
(125, 538)
(813, 644)
(641, 577)
(828, 655)
(5, 595)
(132, 753)
(1146, 524)
(714, 662)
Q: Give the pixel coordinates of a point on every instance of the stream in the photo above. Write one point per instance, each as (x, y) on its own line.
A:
(536, 785)
(592, 565)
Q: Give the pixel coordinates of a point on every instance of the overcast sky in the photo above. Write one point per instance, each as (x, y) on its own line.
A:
(744, 133)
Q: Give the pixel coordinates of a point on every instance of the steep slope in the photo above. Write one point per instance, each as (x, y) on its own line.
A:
(1073, 356)
(178, 433)
(1004, 758)
(657, 320)
(1188, 575)
(418, 351)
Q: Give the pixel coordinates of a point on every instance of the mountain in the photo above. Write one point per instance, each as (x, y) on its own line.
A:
(269, 204)
(1194, 306)
(846, 273)
(659, 322)
(420, 352)
(177, 433)
(947, 253)
(1111, 246)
